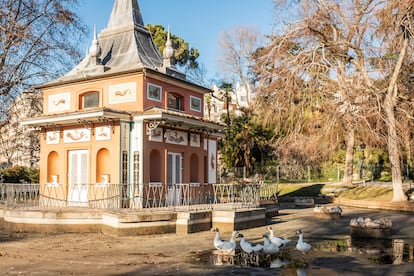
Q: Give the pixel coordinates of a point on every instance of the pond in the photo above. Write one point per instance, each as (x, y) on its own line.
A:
(345, 256)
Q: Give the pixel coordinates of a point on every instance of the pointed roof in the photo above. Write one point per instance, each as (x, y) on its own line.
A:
(125, 44)
(124, 13)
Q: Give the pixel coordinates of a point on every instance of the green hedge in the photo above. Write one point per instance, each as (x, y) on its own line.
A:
(17, 174)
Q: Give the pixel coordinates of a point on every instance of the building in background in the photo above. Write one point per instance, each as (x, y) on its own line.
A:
(216, 102)
(19, 144)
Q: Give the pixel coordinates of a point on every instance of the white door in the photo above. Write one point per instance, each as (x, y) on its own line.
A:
(78, 178)
(174, 174)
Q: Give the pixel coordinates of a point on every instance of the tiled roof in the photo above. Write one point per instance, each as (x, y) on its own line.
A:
(125, 44)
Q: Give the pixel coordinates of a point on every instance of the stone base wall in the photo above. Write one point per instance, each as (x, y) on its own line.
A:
(132, 223)
(53, 228)
(375, 233)
(192, 222)
(230, 220)
(393, 206)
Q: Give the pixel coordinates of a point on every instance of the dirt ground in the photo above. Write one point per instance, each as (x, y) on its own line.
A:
(170, 254)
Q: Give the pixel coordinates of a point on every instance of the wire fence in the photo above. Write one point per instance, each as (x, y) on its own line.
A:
(153, 195)
(298, 173)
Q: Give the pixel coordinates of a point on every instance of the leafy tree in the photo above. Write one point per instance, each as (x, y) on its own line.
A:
(245, 144)
(185, 56)
(17, 174)
(38, 42)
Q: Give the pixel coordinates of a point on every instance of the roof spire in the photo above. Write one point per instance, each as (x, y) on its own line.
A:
(123, 13)
(95, 50)
(168, 52)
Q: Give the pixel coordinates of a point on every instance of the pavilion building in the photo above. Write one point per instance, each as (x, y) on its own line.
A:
(126, 116)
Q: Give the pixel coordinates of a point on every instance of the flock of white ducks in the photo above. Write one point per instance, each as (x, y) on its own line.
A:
(271, 243)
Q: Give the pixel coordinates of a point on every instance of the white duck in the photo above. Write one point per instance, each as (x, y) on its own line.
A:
(248, 247)
(278, 241)
(225, 246)
(269, 247)
(301, 245)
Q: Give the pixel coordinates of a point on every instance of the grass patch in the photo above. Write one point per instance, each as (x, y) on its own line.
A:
(373, 193)
(299, 190)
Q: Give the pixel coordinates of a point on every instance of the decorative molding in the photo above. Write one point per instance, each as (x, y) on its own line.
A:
(123, 93)
(59, 102)
(53, 137)
(194, 140)
(156, 134)
(151, 125)
(88, 125)
(103, 133)
(109, 123)
(176, 137)
(77, 135)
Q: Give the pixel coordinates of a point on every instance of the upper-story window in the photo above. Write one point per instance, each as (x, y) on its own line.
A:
(154, 92)
(88, 100)
(195, 104)
(174, 102)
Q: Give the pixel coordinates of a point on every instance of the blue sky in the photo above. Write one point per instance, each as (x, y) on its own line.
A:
(199, 22)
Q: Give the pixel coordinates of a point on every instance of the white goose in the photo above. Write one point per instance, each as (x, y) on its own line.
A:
(269, 247)
(301, 245)
(225, 246)
(248, 247)
(278, 241)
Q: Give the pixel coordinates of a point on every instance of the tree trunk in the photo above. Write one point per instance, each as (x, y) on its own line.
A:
(392, 141)
(349, 158)
(394, 152)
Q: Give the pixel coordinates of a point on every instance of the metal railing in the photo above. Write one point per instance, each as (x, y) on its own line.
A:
(19, 194)
(188, 196)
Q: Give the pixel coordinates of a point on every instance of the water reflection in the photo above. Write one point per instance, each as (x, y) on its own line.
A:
(375, 251)
(278, 263)
(384, 251)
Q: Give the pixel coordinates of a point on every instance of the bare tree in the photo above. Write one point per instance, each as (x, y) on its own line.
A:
(39, 40)
(237, 51)
(349, 54)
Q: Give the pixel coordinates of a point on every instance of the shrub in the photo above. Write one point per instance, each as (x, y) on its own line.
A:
(17, 174)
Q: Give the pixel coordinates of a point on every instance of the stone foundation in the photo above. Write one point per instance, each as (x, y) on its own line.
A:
(192, 222)
(271, 207)
(53, 221)
(375, 233)
(139, 228)
(132, 223)
(138, 223)
(230, 220)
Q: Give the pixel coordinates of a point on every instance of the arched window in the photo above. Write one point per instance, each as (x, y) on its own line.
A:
(103, 166)
(174, 101)
(89, 100)
(53, 167)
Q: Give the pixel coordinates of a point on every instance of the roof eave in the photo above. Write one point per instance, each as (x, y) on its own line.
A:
(75, 118)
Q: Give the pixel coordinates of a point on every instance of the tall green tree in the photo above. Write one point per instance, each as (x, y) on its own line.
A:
(185, 56)
(245, 143)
